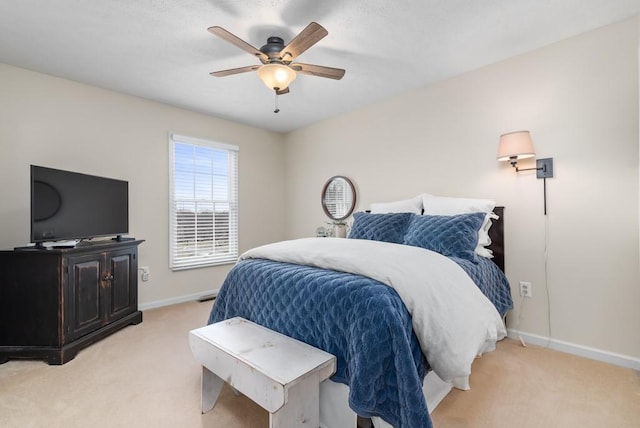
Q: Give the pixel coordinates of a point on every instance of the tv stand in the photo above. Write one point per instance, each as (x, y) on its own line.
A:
(56, 301)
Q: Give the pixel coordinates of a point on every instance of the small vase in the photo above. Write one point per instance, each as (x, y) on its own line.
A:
(339, 230)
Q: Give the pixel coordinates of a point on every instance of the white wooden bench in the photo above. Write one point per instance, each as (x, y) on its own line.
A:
(280, 374)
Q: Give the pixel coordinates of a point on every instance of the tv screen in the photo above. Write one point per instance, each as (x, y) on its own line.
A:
(68, 205)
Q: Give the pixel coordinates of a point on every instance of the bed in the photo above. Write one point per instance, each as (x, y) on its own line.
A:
(390, 309)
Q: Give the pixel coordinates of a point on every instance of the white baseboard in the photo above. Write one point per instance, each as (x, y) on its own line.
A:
(579, 350)
(176, 300)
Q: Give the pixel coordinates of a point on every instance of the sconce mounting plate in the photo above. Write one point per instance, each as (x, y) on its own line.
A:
(544, 168)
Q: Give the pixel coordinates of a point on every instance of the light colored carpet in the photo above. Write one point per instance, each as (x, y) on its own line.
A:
(145, 376)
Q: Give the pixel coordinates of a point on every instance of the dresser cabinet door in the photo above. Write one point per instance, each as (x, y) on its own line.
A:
(123, 292)
(84, 313)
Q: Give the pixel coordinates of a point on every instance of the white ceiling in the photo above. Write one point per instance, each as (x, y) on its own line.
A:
(161, 50)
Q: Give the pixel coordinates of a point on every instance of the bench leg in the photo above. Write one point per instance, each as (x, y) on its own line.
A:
(302, 409)
(211, 387)
(334, 406)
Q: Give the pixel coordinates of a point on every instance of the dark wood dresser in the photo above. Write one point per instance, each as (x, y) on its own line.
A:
(54, 302)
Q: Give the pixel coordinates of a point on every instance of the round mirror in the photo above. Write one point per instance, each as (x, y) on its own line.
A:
(338, 198)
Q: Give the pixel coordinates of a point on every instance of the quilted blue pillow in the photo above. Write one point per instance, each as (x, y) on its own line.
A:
(451, 236)
(380, 227)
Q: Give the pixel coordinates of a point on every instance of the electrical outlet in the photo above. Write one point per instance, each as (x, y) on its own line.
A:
(525, 289)
(144, 273)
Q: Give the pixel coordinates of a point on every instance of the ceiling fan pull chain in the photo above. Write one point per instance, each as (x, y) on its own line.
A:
(276, 95)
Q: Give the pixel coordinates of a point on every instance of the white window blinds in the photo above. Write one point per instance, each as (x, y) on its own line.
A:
(203, 213)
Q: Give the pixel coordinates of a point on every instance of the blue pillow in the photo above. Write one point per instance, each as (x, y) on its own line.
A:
(451, 236)
(380, 227)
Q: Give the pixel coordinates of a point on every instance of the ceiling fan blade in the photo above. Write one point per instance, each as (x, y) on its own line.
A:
(308, 37)
(235, 40)
(231, 71)
(318, 70)
(283, 91)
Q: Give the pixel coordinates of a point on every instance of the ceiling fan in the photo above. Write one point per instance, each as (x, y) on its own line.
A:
(278, 69)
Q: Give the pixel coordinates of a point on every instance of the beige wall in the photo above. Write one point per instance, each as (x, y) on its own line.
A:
(62, 124)
(579, 99)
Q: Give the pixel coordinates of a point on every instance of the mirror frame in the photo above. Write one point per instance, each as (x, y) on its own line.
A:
(324, 194)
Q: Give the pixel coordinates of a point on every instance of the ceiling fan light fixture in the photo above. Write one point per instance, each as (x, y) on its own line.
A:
(276, 76)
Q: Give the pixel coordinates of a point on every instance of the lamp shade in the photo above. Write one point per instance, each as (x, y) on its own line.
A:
(515, 145)
(276, 76)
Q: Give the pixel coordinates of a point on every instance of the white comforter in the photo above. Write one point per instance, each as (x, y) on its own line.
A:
(453, 320)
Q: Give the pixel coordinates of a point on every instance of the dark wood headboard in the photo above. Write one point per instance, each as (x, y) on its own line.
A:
(496, 233)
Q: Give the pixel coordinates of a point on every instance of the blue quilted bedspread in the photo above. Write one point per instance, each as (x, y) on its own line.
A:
(359, 320)
(490, 280)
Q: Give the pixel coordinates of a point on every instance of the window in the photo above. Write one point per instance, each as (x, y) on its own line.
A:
(203, 213)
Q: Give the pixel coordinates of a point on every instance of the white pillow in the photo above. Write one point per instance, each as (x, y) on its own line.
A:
(443, 205)
(483, 236)
(413, 205)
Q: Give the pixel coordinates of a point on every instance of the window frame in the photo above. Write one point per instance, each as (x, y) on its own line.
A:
(177, 262)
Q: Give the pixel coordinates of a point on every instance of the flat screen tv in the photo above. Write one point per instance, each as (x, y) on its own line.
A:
(69, 205)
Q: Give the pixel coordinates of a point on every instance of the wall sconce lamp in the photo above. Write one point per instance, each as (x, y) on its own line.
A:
(518, 145)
